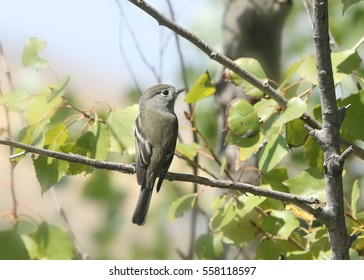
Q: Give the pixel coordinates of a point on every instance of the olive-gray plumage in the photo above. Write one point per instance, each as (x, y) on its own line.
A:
(155, 131)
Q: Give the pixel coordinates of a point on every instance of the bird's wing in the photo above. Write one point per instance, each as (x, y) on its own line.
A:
(143, 151)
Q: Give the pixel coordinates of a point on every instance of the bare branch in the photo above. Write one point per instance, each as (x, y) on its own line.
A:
(300, 201)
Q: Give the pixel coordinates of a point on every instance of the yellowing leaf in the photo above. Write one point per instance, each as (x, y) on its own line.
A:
(30, 53)
(201, 89)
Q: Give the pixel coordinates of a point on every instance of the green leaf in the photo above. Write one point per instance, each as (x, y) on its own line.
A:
(249, 146)
(296, 133)
(16, 101)
(273, 249)
(353, 117)
(208, 247)
(56, 137)
(252, 66)
(30, 53)
(348, 3)
(266, 108)
(344, 63)
(247, 203)
(98, 186)
(40, 108)
(53, 243)
(275, 177)
(59, 90)
(292, 70)
(201, 89)
(188, 150)
(12, 246)
(222, 216)
(219, 201)
(239, 232)
(49, 171)
(295, 109)
(181, 205)
(272, 153)
(120, 123)
(242, 120)
(101, 146)
(308, 70)
(309, 183)
(290, 223)
(355, 194)
(313, 154)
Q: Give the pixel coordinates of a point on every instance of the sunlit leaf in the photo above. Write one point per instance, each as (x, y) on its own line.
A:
(40, 108)
(201, 89)
(273, 152)
(208, 247)
(247, 203)
(290, 223)
(56, 136)
(16, 101)
(252, 66)
(222, 216)
(120, 123)
(30, 54)
(188, 150)
(265, 108)
(242, 120)
(295, 109)
(181, 205)
(311, 177)
(307, 69)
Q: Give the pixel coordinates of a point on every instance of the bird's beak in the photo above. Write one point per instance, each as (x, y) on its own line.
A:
(178, 91)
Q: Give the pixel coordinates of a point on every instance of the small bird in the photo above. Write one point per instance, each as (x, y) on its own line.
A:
(155, 131)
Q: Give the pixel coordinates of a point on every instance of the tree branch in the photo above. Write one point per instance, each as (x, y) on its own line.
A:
(303, 202)
(328, 137)
(230, 64)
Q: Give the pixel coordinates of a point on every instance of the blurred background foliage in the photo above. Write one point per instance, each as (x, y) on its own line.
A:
(98, 204)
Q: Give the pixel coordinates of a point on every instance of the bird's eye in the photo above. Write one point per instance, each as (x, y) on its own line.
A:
(165, 92)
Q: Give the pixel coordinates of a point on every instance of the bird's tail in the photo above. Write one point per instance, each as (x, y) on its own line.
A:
(141, 210)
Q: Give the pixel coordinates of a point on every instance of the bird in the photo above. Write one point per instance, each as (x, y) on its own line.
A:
(155, 132)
